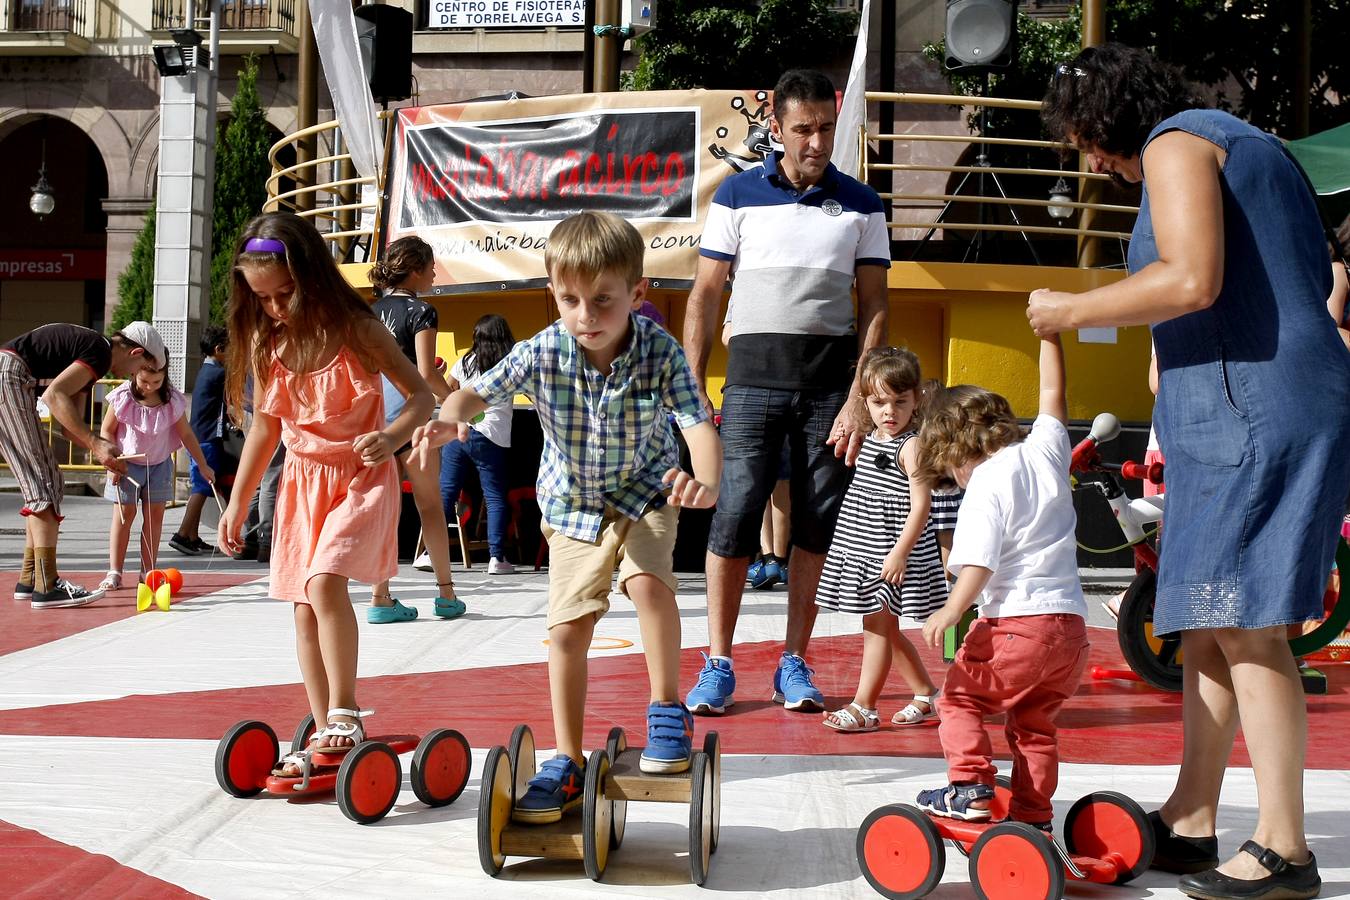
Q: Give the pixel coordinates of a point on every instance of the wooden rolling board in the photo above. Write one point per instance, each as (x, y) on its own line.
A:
(558, 840)
(627, 781)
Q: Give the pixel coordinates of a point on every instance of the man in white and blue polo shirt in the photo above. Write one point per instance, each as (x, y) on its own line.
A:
(797, 235)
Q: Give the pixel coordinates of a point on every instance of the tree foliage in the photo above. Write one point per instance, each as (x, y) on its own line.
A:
(136, 284)
(1242, 53)
(737, 44)
(242, 170)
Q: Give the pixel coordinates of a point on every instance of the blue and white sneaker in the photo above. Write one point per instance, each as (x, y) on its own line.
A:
(670, 739)
(756, 570)
(556, 788)
(953, 801)
(771, 574)
(792, 685)
(713, 693)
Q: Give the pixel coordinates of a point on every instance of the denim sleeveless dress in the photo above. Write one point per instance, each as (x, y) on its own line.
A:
(1253, 405)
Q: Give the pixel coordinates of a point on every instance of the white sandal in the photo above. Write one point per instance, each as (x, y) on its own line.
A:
(111, 582)
(912, 715)
(352, 730)
(853, 719)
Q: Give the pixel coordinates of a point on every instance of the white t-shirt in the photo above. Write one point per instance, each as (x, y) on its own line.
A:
(1017, 520)
(496, 423)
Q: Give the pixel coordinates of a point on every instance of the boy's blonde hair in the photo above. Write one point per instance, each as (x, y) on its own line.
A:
(590, 244)
(961, 424)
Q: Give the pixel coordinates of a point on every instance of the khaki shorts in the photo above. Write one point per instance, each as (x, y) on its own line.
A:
(581, 573)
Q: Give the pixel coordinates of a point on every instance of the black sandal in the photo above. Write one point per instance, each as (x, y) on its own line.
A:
(1286, 880)
(1181, 855)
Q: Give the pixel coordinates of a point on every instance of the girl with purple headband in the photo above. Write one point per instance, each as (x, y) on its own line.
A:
(316, 353)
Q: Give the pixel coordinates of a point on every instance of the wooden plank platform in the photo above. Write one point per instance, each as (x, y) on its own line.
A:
(627, 781)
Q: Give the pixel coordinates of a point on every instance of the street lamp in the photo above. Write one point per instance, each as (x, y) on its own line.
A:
(42, 202)
(1059, 195)
(184, 53)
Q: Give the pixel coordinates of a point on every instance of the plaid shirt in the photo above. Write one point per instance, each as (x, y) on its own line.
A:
(607, 439)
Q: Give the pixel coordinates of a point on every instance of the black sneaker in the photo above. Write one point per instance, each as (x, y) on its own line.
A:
(246, 552)
(203, 546)
(264, 553)
(64, 594)
(23, 591)
(185, 545)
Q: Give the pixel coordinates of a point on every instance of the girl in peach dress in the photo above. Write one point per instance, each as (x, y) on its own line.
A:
(316, 352)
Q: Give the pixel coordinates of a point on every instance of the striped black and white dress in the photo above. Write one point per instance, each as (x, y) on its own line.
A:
(871, 519)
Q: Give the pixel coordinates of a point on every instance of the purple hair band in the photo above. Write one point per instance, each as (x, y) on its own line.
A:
(265, 245)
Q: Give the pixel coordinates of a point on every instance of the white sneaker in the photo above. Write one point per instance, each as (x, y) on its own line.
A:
(500, 567)
(423, 563)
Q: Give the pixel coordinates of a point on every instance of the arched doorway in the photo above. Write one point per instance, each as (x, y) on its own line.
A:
(53, 267)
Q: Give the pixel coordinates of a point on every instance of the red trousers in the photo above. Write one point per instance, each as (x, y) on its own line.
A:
(1026, 667)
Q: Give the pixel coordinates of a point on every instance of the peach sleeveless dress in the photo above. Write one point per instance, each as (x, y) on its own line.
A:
(333, 515)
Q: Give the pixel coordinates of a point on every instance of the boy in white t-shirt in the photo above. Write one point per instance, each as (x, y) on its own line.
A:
(1014, 553)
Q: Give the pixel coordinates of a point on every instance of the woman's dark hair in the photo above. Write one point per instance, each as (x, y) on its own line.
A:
(405, 256)
(1110, 97)
(492, 340)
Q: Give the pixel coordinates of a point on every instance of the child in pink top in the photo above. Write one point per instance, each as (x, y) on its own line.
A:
(316, 352)
(146, 420)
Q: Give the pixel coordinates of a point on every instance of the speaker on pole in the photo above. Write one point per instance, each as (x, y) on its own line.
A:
(384, 34)
(981, 34)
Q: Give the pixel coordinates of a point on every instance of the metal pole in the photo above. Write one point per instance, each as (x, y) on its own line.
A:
(886, 110)
(1094, 35)
(588, 50)
(306, 102)
(608, 48)
(1301, 83)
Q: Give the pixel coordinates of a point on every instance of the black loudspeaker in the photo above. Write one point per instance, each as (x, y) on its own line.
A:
(981, 34)
(384, 34)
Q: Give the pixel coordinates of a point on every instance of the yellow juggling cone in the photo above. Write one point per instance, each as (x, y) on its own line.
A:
(159, 596)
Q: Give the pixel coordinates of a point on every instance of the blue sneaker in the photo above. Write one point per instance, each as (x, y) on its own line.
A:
(953, 801)
(670, 739)
(713, 693)
(792, 685)
(772, 573)
(756, 570)
(556, 788)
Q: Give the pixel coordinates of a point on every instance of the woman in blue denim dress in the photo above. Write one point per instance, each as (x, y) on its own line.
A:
(1228, 265)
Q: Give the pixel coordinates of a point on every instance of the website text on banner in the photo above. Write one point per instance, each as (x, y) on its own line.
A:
(484, 183)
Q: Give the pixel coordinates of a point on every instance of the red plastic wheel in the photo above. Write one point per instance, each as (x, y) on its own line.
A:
(368, 782)
(1105, 822)
(1014, 861)
(245, 757)
(900, 852)
(440, 767)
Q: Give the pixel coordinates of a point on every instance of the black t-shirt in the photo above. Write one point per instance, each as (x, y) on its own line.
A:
(404, 315)
(50, 349)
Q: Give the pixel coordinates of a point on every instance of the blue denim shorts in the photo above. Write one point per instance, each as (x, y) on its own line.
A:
(211, 450)
(156, 484)
(756, 422)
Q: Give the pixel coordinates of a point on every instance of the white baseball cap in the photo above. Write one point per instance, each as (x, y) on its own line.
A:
(144, 333)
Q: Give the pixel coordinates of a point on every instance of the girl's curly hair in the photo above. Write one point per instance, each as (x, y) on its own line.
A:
(961, 424)
(894, 369)
(1112, 96)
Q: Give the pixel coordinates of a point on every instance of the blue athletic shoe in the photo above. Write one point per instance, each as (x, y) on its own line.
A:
(670, 739)
(953, 801)
(792, 685)
(772, 573)
(713, 693)
(556, 788)
(756, 570)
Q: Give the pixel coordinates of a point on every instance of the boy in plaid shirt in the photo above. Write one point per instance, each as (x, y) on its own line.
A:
(602, 380)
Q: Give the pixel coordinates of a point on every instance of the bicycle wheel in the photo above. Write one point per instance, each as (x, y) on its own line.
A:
(1156, 660)
(1338, 614)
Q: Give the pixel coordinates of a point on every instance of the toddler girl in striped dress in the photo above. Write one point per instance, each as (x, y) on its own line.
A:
(884, 561)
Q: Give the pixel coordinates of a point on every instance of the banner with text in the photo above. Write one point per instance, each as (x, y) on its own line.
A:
(506, 13)
(484, 183)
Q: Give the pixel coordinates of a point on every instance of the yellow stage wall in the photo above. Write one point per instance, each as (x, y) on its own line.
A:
(965, 321)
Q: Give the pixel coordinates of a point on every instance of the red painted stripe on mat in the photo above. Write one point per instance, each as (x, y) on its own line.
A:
(34, 866)
(22, 627)
(1121, 723)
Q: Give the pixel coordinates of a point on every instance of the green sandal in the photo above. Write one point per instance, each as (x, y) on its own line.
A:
(387, 615)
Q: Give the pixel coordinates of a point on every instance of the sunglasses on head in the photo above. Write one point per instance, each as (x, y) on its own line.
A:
(1064, 69)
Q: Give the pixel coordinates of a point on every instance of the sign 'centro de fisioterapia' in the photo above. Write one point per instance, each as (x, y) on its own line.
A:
(506, 13)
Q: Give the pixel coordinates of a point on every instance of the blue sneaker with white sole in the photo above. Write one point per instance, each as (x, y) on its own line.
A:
(793, 687)
(954, 802)
(670, 739)
(715, 689)
(556, 788)
(756, 569)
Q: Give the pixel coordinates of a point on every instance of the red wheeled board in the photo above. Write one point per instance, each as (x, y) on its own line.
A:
(365, 778)
(1107, 835)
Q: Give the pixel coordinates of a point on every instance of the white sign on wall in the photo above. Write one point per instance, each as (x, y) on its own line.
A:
(506, 13)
